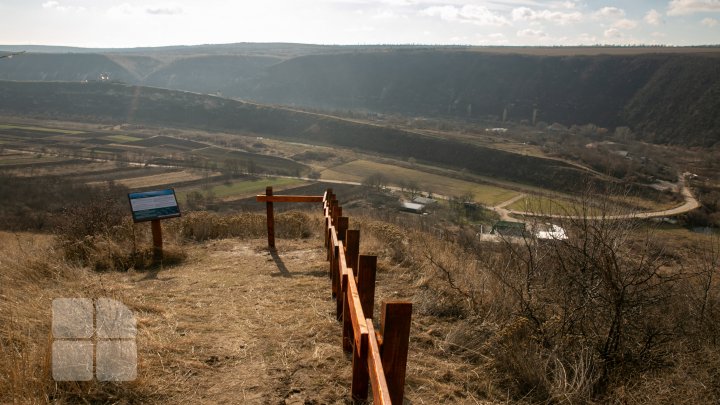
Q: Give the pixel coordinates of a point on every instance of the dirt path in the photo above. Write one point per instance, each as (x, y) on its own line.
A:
(505, 213)
(238, 325)
(690, 204)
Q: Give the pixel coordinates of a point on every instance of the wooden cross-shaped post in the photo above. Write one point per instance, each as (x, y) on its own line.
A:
(270, 219)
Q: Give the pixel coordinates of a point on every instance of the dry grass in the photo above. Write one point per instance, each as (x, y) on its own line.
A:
(203, 225)
(235, 323)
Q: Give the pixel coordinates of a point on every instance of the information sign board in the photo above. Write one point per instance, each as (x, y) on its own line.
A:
(152, 205)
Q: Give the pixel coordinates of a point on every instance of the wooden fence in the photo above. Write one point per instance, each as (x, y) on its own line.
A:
(379, 358)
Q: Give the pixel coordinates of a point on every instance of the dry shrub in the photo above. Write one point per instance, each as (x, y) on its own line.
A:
(692, 379)
(391, 240)
(468, 338)
(200, 226)
(101, 235)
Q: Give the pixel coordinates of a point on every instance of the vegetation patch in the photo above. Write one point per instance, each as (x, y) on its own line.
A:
(239, 189)
(41, 129)
(122, 138)
(360, 170)
(165, 179)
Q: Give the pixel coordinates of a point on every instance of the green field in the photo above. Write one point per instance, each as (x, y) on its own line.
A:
(242, 189)
(122, 138)
(561, 206)
(358, 170)
(544, 205)
(41, 129)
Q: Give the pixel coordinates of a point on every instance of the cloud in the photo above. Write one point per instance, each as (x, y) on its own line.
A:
(172, 10)
(613, 33)
(610, 12)
(55, 5)
(569, 5)
(625, 24)
(683, 7)
(710, 22)
(556, 17)
(530, 33)
(129, 9)
(586, 38)
(469, 13)
(653, 17)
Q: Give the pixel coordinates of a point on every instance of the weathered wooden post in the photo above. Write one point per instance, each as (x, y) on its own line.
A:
(157, 240)
(270, 218)
(395, 329)
(360, 374)
(343, 223)
(366, 284)
(352, 244)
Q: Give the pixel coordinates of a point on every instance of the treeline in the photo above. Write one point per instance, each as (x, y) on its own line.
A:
(39, 203)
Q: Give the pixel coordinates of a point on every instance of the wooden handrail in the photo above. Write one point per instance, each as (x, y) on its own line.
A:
(378, 357)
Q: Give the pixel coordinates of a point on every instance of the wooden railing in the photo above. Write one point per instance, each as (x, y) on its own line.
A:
(379, 358)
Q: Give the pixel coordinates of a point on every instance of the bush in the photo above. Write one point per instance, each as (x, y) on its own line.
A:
(100, 234)
(200, 226)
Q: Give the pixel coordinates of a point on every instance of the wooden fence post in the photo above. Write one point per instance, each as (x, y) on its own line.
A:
(360, 374)
(352, 243)
(366, 284)
(395, 329)
(337, 213)
(157, 240)
(343, 223)
(270, 219)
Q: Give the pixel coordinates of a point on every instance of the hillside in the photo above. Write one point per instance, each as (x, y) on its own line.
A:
(609, 87)
(225, 320)
(610, 91)
(117, 103)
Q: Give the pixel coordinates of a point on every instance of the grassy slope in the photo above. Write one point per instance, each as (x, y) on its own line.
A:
(233, 324)
(119, 103)
(358, 170)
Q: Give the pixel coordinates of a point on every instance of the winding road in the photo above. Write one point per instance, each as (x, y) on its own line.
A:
(690, 204)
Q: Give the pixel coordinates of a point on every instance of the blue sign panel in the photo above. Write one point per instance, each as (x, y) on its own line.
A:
(151, 205)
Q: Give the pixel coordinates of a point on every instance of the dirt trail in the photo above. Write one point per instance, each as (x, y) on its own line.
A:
(690, 204)
(238, 325)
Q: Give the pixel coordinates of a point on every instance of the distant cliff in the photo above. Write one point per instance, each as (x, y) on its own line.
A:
(665, 97)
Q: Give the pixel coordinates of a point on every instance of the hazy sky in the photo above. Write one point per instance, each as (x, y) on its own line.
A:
(129, 23)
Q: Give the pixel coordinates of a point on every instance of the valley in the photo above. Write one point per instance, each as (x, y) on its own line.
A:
(551, 214)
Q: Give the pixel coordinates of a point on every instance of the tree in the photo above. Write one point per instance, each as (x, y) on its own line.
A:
(376, 180)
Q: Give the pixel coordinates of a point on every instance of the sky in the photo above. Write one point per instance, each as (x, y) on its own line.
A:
(133, 23)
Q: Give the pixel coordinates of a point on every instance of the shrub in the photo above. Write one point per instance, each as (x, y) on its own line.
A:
(100, 234)
(200, 226)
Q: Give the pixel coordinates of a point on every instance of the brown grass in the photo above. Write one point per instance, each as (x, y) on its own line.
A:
(235, 323)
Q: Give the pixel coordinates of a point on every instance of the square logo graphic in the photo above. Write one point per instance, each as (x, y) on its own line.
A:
(93, 338)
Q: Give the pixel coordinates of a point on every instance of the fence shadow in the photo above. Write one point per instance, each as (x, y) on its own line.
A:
(284, 272)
